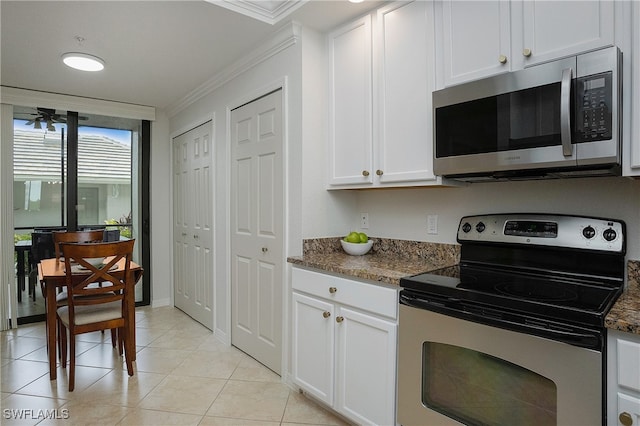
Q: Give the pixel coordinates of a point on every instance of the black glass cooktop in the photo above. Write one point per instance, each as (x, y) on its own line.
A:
(558, 296)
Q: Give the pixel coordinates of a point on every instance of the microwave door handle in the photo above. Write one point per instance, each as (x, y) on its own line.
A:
(565, 112)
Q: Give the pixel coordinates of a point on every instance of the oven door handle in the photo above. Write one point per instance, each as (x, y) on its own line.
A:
(492, 317)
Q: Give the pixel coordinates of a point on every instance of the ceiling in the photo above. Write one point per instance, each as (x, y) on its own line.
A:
(156, 52)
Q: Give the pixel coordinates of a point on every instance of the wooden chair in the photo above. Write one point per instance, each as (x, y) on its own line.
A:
(90, 308)
(92, 236)
(75, 237)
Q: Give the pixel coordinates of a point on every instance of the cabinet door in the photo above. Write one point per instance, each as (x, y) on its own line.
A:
(628, 410)
(350, 118)
(313, 346)
(366, 367)
(473, 40)
(633, 82)
(557, 29)
(405, 81)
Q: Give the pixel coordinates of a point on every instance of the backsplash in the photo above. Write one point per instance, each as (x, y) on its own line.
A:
(438, 253)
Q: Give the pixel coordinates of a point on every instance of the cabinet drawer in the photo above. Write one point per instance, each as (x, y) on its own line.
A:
(629, 364)
(369, 297)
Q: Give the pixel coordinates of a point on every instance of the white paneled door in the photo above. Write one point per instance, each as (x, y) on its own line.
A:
(193, 223)
(257, 222)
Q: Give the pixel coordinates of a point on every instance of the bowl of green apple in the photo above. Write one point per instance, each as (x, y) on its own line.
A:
(356, 243)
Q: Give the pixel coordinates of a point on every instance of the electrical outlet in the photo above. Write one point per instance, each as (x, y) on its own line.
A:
(432, 224)
(364, 220)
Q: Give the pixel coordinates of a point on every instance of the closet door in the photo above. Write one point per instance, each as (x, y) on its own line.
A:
(193, 223)
(257, 229)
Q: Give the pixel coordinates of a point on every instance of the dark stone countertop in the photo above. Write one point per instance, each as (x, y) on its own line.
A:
(625, 314)
(387, 262)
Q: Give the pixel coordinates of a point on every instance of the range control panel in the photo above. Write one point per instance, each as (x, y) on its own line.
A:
(579, 232)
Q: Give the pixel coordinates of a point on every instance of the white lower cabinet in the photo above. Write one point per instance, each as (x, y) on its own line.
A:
(623, 352)
(344, 345)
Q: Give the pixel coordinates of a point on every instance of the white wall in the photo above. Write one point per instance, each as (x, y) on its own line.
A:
(324, 213)
(402, 213)
(161, 205)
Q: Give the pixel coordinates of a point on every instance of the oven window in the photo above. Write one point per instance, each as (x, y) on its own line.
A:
(479, 389)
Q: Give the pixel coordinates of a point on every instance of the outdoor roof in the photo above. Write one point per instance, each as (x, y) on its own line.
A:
(101, 160)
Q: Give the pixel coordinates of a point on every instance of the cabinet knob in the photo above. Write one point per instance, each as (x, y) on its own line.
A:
(265, 249)
(332, 290)
(365, 173)
(526, 52)
(379, 172)
(502, 59)
(625, 418)
(195, 237)
(326, 314)
(339, 319)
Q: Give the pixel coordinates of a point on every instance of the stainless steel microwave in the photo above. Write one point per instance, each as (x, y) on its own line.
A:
(558, 119)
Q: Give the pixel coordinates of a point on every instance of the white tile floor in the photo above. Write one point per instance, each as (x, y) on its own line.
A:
(183, 376)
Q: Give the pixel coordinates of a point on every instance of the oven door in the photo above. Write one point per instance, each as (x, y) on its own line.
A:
(452, 371)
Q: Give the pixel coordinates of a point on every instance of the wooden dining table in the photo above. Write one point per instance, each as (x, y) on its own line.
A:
(51, 272)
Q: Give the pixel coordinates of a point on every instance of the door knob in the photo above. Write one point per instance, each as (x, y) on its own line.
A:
(326, 314)
(626, 419)
(265, 249)
(502, 59)
(332, 290)
(339, 319)
(526, 52)
(365, 173)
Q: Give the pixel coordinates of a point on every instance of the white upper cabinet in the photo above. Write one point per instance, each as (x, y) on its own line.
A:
(350, 121)
(555, 29)
(404, 83)
(476, 39)
(381, 79)
(632, 99)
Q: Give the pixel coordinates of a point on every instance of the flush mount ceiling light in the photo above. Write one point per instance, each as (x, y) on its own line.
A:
(83, 61)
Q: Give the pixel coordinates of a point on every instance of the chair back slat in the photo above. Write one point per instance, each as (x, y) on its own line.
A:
(75, 237)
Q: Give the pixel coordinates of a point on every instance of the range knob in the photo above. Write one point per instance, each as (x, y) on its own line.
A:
(480, 227)
(589, 232)
(610, 234)
(466, 227)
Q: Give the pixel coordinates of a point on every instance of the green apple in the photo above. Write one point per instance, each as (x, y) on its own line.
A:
(363, 237)
(353, 237)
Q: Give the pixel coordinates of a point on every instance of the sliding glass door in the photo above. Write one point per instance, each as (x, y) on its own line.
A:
(77, 176)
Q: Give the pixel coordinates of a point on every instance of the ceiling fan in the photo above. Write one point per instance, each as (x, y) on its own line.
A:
(47, 116)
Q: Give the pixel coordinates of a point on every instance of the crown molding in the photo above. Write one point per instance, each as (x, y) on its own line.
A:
(269, 11)
(287, 36)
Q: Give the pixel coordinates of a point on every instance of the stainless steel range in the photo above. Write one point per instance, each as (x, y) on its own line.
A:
(515, 333)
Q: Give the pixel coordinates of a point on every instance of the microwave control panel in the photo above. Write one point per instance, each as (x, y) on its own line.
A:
(594, 116)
